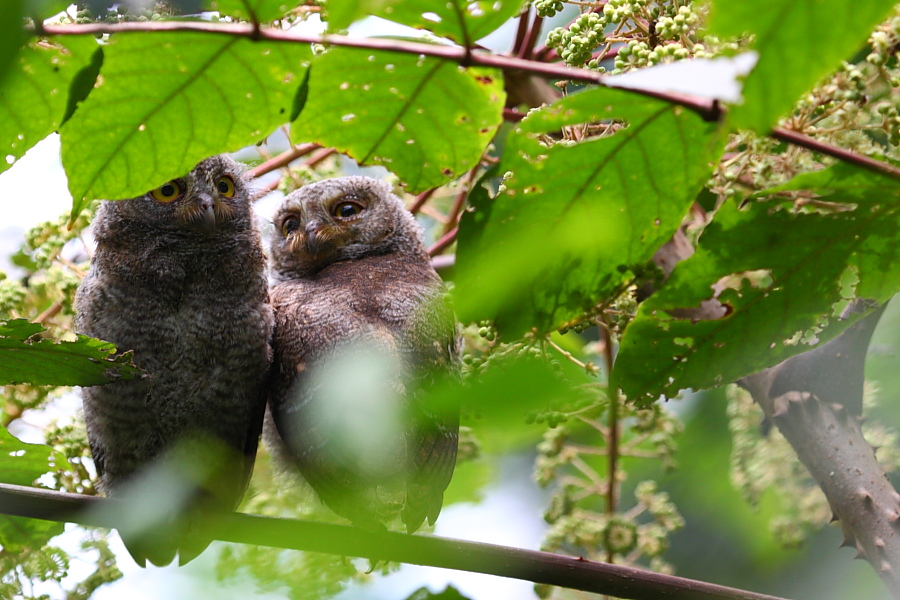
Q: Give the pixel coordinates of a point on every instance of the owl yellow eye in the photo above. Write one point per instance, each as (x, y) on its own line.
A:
(167, 192)
(346, 210)
(225, 185)
(290, 225)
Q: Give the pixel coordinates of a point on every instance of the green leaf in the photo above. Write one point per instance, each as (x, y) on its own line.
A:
(779, 275)
(12, 33)
(164, 102)
(262, 10)
(799, 42)
(33, 95)
(463, 21)
(25, 358)
(425, 119)
(22, 464)
(572, 218)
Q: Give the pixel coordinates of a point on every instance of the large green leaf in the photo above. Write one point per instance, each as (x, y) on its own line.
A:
(26, 358)
(799, 42)
(262, 10)
(425, 119)
(463, 21)
(778, 274)
(12, 33)
(22, 464)
(164, 102)
(572, 217)
(33, 95)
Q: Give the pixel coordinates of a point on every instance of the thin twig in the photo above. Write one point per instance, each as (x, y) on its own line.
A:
(442, 244)
(528, 45)
(459, 201)
(283, 159)
(804, 141)
(51, 312)
(521, 32)
(420, 200)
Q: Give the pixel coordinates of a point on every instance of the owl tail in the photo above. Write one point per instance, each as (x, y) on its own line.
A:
(167, 510)
(422, 502)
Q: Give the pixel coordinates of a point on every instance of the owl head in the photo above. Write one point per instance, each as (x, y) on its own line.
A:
(211, 200)
(347, 218)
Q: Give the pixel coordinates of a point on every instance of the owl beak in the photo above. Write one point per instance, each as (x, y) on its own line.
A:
(315, 241)
(206, 217)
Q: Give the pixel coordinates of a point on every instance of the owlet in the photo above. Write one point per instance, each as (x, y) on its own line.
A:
(178, 278)
(362, 333)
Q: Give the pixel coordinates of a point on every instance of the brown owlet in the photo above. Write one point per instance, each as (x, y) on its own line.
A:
(362, 331)
(178, 278)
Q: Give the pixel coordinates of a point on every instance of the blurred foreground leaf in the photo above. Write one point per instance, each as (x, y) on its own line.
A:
(26, 358)
(499, 402)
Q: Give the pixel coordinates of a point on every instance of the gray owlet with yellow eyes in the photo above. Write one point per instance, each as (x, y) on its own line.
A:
(178, 278)
(362, 333)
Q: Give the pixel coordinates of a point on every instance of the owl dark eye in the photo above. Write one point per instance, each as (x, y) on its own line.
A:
(290, 225)
(346, 210)
(225, 185)
(167, 192)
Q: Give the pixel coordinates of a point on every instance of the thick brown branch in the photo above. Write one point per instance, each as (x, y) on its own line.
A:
(814, 399)
(530, 565)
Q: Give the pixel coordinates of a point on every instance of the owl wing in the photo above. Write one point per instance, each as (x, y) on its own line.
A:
(435, 415)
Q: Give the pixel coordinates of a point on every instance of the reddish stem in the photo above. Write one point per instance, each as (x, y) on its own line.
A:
(442, 244)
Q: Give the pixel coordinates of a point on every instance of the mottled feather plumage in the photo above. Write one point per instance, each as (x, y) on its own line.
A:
(356, 299)
(181, 282)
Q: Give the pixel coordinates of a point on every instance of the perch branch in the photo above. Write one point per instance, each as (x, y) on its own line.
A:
(530, 565)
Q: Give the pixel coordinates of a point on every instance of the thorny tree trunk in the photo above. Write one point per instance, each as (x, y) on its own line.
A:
(815, 400)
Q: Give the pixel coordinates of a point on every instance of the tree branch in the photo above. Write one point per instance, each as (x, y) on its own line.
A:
(530, 565)
(815, 399)
(707, 109)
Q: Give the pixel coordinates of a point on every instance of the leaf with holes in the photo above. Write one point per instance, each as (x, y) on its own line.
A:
(33, 95)
(26, 358)
(799, 42)
(779, 279)
(164, 102)
(573, 217)
(22, 464)
(263, 11)
(425, 119)
(463, 21)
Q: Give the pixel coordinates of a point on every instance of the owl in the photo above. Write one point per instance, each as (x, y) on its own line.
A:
(178, 278)
(362, 335)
